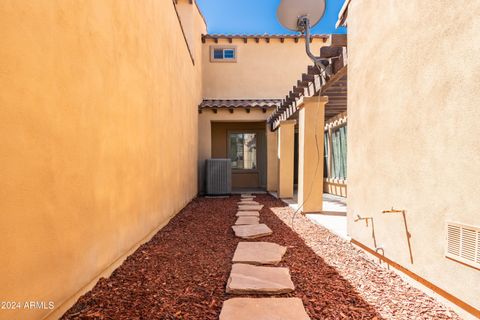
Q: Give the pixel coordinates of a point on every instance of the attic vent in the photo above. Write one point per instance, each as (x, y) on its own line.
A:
(463, 243)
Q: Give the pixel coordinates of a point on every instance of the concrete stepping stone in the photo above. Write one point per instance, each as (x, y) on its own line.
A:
(258, 253)
(248, 279)
(250, 207)
(248, 203)
(248, 214)
(263, 309)
(252, 231)
(246, 195)
(247, 220)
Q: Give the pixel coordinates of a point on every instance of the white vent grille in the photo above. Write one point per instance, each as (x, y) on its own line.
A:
(463, 243)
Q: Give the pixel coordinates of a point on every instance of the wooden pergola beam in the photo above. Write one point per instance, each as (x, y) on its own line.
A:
(333, 94)
(313, 70)
(308, 77)
(333, 83)
(336, 77)
(280, 37)
(330, 52)
(302, 84)
(338, 40)
(340, 105)
(299, 90)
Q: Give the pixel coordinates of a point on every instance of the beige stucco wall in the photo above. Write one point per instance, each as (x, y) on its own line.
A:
(262, 70)
(272, 159)
(286, 150)
(205, 120)
(91, 92)
(311, 119)
(413, 109)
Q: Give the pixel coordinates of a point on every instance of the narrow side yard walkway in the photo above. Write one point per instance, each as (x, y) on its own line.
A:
(182, 272)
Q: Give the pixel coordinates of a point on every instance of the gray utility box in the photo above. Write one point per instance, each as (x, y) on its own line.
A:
(218, 176)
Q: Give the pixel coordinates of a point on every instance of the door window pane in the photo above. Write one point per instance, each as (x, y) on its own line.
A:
(243, 150)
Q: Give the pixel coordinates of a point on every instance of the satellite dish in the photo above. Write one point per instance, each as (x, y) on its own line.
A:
(289, 11)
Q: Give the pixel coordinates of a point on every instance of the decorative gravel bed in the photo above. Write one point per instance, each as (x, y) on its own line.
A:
(182, 272)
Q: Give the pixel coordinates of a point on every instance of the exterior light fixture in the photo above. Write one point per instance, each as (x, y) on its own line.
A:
(301, 16)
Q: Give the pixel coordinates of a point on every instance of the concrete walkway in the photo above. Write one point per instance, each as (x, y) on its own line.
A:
(333, 217)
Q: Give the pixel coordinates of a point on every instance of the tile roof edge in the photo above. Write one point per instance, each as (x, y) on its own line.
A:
(220, 35)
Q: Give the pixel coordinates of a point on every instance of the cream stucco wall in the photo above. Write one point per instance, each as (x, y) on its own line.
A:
(413, 112)
(262, 70)
(272, 160)
(311, 120)
(90, 97)
(286, 151)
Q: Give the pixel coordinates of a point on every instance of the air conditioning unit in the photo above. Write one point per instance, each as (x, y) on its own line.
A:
(218, 176)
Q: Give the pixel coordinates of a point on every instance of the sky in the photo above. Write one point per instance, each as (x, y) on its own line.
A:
(259, 17)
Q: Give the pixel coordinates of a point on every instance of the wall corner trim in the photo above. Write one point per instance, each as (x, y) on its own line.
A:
(183, 32)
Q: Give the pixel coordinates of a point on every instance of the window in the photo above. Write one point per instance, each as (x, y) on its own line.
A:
(218, 54)
(223, 54)
(339, 146)
(228, 54)
(243, 150)
(326, 151)
(335, 148)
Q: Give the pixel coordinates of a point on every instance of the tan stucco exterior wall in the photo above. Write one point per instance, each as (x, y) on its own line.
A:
(286, 150)
(89, 101)
(262, 70)
(413, 128)
(272, 160)
(311, 120)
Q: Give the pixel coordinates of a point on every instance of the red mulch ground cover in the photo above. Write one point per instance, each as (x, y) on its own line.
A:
(182, 272)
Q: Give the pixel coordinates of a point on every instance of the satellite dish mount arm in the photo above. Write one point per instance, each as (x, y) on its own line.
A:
(303, 25)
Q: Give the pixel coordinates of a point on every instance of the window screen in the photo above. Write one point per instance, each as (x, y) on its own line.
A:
(228, 54)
